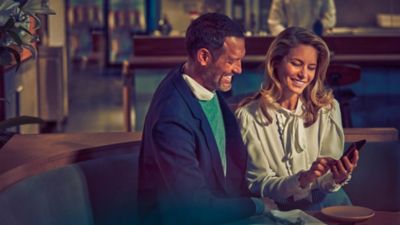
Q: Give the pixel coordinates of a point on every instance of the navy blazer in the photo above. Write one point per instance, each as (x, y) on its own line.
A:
(181, 178)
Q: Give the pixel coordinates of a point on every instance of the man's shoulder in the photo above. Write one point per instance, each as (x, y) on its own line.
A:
(170, 100)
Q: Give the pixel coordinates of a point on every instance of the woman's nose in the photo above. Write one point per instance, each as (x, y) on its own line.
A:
(303, 72)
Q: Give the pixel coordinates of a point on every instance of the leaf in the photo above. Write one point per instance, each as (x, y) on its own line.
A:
(26, 30)
(37, 6)
(15, 37)
(9, 24)
(20, 120)
(37, 23)
(22, 2)
(5, 56)
(10, 51)
(7, 9)
(26, 38)
(31, 49)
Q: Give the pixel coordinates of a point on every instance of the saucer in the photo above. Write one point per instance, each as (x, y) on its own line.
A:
(348, 213)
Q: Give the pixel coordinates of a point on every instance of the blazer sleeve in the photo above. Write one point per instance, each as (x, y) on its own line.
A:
(187, 198)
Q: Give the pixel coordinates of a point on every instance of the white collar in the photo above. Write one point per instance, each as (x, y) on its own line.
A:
(200, 92)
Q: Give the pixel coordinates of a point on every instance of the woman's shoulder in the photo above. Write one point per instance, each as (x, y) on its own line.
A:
(247, 110)
(331, 107)
(250, 112)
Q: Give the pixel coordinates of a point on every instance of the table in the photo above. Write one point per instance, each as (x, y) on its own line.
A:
(380, 218)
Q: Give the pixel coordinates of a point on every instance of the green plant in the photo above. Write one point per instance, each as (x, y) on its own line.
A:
(17, 33)
(16, 28)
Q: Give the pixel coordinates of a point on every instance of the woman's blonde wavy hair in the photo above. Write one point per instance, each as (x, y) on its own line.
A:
(315, 95)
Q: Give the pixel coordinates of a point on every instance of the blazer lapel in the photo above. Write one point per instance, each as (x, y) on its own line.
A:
(198, 113)
(236, 154)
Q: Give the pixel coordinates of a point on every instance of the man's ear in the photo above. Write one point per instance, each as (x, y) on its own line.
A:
(203, 56)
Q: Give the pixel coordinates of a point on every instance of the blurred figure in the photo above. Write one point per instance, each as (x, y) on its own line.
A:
(315, 15)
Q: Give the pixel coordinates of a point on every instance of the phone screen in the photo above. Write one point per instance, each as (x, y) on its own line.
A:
(355, 145)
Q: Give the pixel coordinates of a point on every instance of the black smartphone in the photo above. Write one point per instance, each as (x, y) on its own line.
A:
(355, 145)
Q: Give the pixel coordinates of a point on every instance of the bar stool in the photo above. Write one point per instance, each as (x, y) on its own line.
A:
(337, 76)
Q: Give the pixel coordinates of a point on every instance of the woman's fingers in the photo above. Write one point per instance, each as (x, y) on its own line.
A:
(334, 171)
(354, 158)
(341, 167)
(322, 165)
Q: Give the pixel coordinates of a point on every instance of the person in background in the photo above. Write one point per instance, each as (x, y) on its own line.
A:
(192, 162)
(292, 128)
(315, 15)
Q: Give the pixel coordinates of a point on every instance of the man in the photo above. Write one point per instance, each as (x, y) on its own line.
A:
(193, 162)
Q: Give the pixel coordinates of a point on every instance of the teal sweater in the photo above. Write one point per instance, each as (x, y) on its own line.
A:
(213, 113)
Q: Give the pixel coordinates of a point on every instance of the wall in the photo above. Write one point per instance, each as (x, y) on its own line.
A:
(57, 38)
(356, 13)
(21, 94)
(365, 16)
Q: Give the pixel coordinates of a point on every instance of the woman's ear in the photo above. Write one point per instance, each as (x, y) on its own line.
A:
(203, 56)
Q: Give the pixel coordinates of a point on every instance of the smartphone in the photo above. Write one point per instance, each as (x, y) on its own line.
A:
(355, 145)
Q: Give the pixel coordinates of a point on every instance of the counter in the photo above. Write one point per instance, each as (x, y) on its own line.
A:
(168, 51)
(364, 50)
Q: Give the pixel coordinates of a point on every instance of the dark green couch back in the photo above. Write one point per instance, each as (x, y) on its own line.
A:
(376, 181)
(100, 191)
(103, 191)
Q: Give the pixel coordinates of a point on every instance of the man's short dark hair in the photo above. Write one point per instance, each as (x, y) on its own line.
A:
(209, 31)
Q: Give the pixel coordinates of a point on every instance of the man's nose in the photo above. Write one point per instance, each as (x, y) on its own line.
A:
(237, 69)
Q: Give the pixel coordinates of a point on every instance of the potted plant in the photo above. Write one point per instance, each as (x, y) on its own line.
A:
(18, 22)
(16, 30)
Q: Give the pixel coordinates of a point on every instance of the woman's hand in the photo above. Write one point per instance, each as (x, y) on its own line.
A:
(269, 204)
(342, 168)
(318, 168)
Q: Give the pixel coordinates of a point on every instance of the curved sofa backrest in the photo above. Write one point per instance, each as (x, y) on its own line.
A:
(375, 183)
(99, 191)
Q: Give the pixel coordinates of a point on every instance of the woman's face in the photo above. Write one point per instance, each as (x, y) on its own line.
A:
(297, 69)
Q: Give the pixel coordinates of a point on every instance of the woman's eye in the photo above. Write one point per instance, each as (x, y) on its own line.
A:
(312, 68)
(296, 63)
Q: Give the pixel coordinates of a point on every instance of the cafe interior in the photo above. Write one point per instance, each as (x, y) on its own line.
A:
(75, 108)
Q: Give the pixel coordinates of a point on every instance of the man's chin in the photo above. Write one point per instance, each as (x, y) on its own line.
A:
(225, 88)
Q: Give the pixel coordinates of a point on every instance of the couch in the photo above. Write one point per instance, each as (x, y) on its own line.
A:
(102, 191)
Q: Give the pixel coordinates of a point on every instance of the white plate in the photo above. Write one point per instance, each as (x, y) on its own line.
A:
(348, 213)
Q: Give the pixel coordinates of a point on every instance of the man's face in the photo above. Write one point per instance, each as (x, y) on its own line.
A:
(218, 75)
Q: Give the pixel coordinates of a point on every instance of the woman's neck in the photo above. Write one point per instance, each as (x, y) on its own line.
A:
(289, 102)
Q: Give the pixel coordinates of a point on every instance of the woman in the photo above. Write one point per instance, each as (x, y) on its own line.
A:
(292, 128)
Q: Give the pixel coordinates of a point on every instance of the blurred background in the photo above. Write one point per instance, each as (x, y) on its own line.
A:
(76, 82)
